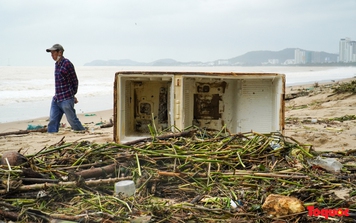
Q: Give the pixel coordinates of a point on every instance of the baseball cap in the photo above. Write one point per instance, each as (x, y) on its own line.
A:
(55, 47)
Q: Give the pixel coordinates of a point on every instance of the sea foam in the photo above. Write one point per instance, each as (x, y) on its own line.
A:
(26, 92)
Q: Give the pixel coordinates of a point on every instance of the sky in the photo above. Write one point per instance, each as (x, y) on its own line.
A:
(183, 30)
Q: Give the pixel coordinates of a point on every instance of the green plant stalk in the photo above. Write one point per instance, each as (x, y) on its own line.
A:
(50, 150)
(138, 165)
(154, 124)
(48, 169)
(20, 201)
(152, 132)
(290, 182)
(233, 195)
(238, 155)
(99, 201)
(221, 130)
(207, 160)
(305, 152)
(123, 202)
(265, 145)
(82, 157)
(338, 204)
(353, 193)
(256, 177)
(251, 141)
(102, 208)
(321, 179)
(12, 171)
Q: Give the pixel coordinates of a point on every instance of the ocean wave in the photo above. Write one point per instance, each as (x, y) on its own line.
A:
(26, 92)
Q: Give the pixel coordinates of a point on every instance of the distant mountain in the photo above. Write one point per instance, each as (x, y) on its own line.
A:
(165, 62)
(171, 62)
(261, 57)
(125, 62)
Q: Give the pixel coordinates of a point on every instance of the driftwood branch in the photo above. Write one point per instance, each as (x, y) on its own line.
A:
(162, 137)
(291, 176)
(107, 125)
(13, 216)
(97, 172)
(47, 217)
(22, 132)
(38, 180)
(69, 184)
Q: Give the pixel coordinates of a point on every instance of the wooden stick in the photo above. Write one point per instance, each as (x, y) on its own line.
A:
(162, 137)
(172, 174)
(97, 172)
(21, 132)
(9, 215)
(107, 125)
(70, 184)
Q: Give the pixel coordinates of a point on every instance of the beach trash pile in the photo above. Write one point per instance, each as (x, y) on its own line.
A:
(197, 175)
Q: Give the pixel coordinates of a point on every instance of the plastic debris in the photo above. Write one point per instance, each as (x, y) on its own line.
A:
(275, 145)
(126, 187)
(90, 115)
(34, 127)
(329, 164)
(233, 204)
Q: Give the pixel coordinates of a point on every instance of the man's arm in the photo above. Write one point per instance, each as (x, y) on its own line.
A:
(72, 77)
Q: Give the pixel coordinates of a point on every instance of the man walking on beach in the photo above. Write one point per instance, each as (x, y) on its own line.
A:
(66, 86)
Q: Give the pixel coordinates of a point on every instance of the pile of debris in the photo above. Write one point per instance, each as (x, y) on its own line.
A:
(198, 175)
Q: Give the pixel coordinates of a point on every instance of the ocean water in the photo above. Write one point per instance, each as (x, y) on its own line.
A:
(26, 92)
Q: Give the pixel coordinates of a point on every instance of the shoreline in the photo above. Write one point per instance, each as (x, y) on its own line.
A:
(41, 109)
(87, 119)
(32, 100)
(321, 82)
(85, 104)
(34, 142)
(320, 105)
(105, 115)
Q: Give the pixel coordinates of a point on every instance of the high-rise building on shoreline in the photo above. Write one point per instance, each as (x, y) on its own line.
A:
(347, 54)
(347, 50)
(299, 56)
(309, 57)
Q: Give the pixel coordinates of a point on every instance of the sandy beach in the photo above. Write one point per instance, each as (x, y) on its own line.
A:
(35, 141)
(321, 118)
(307, 121)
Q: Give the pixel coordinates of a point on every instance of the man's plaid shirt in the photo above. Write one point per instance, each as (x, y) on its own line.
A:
(66, 81)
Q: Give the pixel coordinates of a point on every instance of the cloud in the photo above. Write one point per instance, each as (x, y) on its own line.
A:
(184, 30)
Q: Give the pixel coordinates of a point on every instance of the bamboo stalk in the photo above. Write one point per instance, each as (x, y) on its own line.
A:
(138, 165)
(21, 132)
(235, 174)
(69, 184)
(199, 162)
